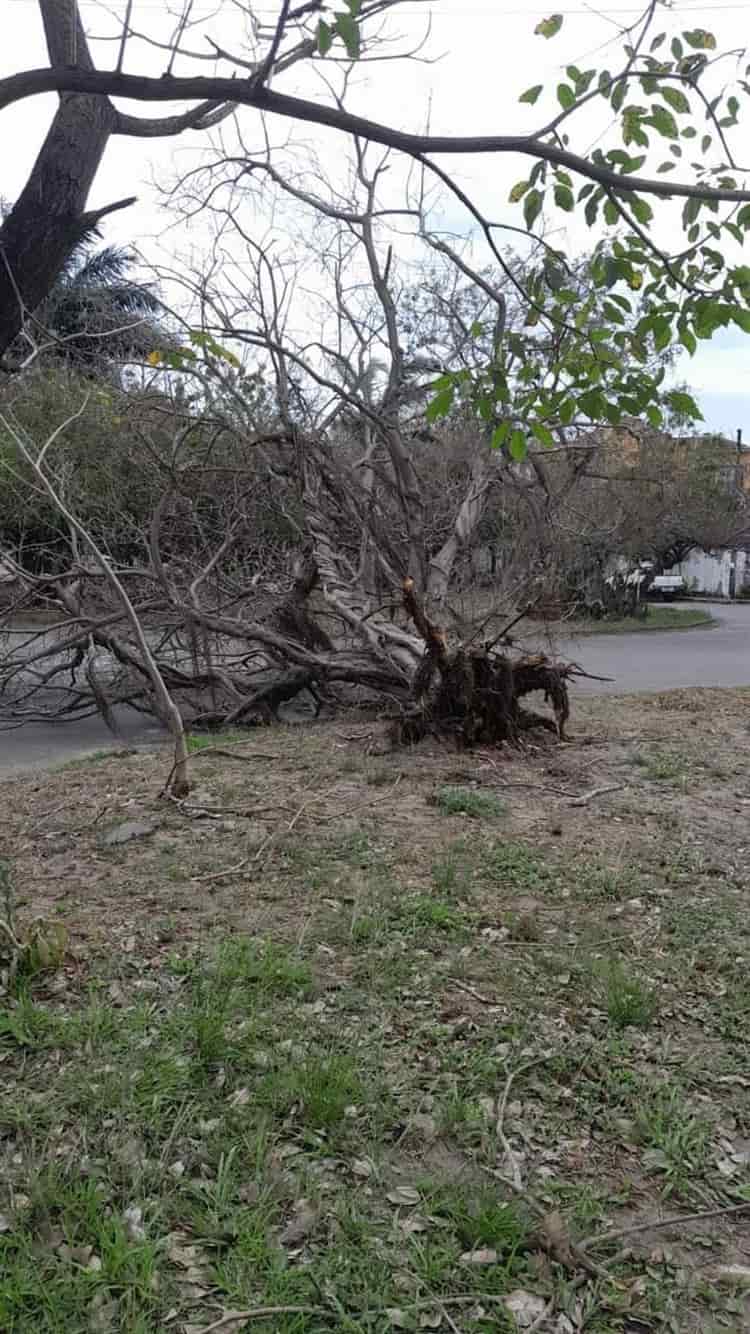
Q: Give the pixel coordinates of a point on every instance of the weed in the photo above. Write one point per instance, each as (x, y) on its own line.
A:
(662, 766)
(628, 1000)
(424, 913)
(466, 801)
(476, 1215)
(516, 867)
(677, 1141)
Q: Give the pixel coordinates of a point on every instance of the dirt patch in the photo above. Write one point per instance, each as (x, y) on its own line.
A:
(315, 1020)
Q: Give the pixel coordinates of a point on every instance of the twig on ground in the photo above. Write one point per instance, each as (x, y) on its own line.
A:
(277, 832)
(215, 812)
(542, 1317)
(510, 1157)
(77, 829)
(471, 991)
(220, 875)
(676, 1220)
(597, 792)
(259, 1313)
(232, 755)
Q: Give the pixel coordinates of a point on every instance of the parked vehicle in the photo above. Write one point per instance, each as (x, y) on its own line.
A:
(668, 587)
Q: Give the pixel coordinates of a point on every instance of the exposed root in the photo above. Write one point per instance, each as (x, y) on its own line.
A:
(474, 694)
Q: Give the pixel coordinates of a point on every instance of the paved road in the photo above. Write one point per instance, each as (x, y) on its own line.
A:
(40, 745)
(717, 655)
(654, 660)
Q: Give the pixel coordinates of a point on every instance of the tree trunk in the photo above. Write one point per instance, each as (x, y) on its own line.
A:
(49, 219)
(464, 527)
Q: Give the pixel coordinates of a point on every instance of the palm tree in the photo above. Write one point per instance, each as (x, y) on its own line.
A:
(98, 312)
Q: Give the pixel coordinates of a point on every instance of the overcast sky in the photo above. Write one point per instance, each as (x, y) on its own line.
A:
(489, 55)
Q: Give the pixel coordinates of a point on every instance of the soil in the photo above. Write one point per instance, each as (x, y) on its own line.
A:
(573, 913)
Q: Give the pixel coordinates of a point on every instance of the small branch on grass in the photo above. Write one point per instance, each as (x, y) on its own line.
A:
(259, 1313)
(676, 1220)
(216, 812)
(510, 1157)
(542, 1317)
(221, 875)
(471, 991)
(231, 755)
(277, 833)
(597, 792)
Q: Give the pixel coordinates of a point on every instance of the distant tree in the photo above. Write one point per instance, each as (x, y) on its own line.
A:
(98, 312)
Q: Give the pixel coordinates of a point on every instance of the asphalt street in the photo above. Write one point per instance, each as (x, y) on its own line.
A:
(714, 655)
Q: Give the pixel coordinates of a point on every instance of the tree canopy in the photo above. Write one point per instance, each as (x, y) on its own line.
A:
(662, 192)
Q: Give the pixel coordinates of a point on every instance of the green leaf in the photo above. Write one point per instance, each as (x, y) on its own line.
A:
(325, 38)
(592, 403)
(500, 435)
(642, 209)
(476, 330)
(564, 198)
(690, 211)
(354, 7)
(518, 192)
(655, 415)
(663, 122)
(743, 217)
(683, 404)
(348, 31)
(517, 446)
(592, 208)
(662, 333)
(554, 274)
(676, 99)
(566, 96)
(611, 215)
(543, 435)
(531, 94)
(549, 27)
(700, 40)
(440, 405)
(618, 94)
(532, 207)
(742, 318)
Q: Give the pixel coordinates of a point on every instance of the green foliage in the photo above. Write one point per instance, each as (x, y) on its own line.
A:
(592, 348)
(345, 28)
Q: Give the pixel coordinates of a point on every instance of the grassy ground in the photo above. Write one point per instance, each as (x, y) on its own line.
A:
(658, 618)
(360, 1041)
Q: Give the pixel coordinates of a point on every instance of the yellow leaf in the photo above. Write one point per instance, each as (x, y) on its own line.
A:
(154, 358)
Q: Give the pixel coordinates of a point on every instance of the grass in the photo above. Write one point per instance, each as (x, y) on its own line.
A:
(286, 1091)
(467, 801)
(626, 997)
(659, 617)
(661, 766)
(208, 740)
